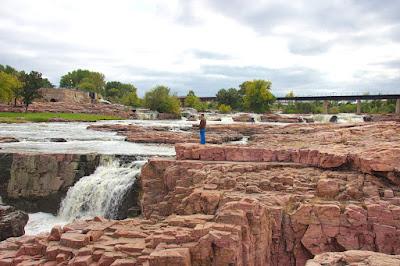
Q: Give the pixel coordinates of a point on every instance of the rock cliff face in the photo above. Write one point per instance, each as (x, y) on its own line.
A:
(37, 182)
(273, 202)
(12, 222)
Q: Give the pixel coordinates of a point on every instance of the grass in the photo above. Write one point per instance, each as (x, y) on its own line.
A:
(8, 117)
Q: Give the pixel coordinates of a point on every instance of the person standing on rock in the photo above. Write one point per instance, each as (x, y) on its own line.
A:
(202, 127)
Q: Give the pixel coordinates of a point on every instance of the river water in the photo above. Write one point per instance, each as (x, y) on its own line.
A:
(99, 193)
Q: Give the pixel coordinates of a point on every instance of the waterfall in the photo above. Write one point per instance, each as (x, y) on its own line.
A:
(101, 193)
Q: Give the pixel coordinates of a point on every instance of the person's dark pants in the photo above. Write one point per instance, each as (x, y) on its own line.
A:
(203, 136)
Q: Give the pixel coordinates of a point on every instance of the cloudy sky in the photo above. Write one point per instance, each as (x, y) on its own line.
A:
(312, 47)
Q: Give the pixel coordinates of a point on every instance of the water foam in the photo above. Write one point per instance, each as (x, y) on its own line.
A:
(101, 193)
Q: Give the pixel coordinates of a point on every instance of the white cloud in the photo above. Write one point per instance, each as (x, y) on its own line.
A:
(323, 46)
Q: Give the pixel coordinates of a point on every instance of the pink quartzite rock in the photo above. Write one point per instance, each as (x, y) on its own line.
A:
(322, 193)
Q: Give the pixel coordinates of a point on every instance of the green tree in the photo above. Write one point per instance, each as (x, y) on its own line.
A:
(124, 93)
(30, 90)
(10, 87)
(46, 83)
(160, 100)
(257, 96)
(131, 99)
(290, 94)
(192, 100)
(224, 109)
(231, 97)
(9, 70)
(85, 80)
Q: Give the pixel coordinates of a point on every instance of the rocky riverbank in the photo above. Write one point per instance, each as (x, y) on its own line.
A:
(294, 192)
(65, 107)
(166, 135)
(12, 222)
(37, 182)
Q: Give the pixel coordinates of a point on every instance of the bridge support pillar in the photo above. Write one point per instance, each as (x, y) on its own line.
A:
(358, 107)
(398, 107)
(326, 106)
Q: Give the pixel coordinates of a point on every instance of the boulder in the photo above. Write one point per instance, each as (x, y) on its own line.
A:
(273, 118)
(58, 140)
(243, 118)
(8, 139)
(333, 119)
(12, 222)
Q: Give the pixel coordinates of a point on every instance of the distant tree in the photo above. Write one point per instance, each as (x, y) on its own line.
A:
(257, 95)
(85, 80)
(32, 82)
(131, 99)
(290, 94)
(9, 70)
(231, 97)
(224, 109)
(160, 99)
(10, 87)
(192, 100)
(46, 83)
(124, 93)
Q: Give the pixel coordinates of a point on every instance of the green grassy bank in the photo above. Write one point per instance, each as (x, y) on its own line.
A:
(8, 117)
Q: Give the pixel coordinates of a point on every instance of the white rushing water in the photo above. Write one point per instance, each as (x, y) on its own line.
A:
(35, 138)
(101, 193)
(342, 118)
(41, 222)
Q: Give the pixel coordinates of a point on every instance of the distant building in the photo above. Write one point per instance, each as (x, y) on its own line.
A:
(66, 95)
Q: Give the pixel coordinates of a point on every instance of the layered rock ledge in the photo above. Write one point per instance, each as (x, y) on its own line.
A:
(37, 182)
(263, 204)
(8, 139)
(165, 135)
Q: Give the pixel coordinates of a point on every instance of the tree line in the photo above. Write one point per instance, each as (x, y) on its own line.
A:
(15, 85)
(254, 96)
(250, 96)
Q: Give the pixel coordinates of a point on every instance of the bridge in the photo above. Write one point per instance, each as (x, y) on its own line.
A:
(326, 99)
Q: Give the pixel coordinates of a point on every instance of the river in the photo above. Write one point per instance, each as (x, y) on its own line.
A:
(97, 194)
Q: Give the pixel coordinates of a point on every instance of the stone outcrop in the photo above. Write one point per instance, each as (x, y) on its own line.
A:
(282, 118)
(354, 257)
(272, 202)
(8, 139)
(12, 222)
(243, 118)
(168, 116)
(37, 182)
(381, 118)
(165, 135)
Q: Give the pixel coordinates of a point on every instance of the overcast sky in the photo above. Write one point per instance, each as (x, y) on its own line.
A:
(312, 47)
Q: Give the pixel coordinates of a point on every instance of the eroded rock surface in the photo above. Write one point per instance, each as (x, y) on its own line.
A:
(283, 118)
(354, 257)
(37, 182)
(166, 135)
(272, 202)
(8, 139)
(12, 222)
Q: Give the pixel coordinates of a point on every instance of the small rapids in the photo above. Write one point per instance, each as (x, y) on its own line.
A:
(101, 193)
